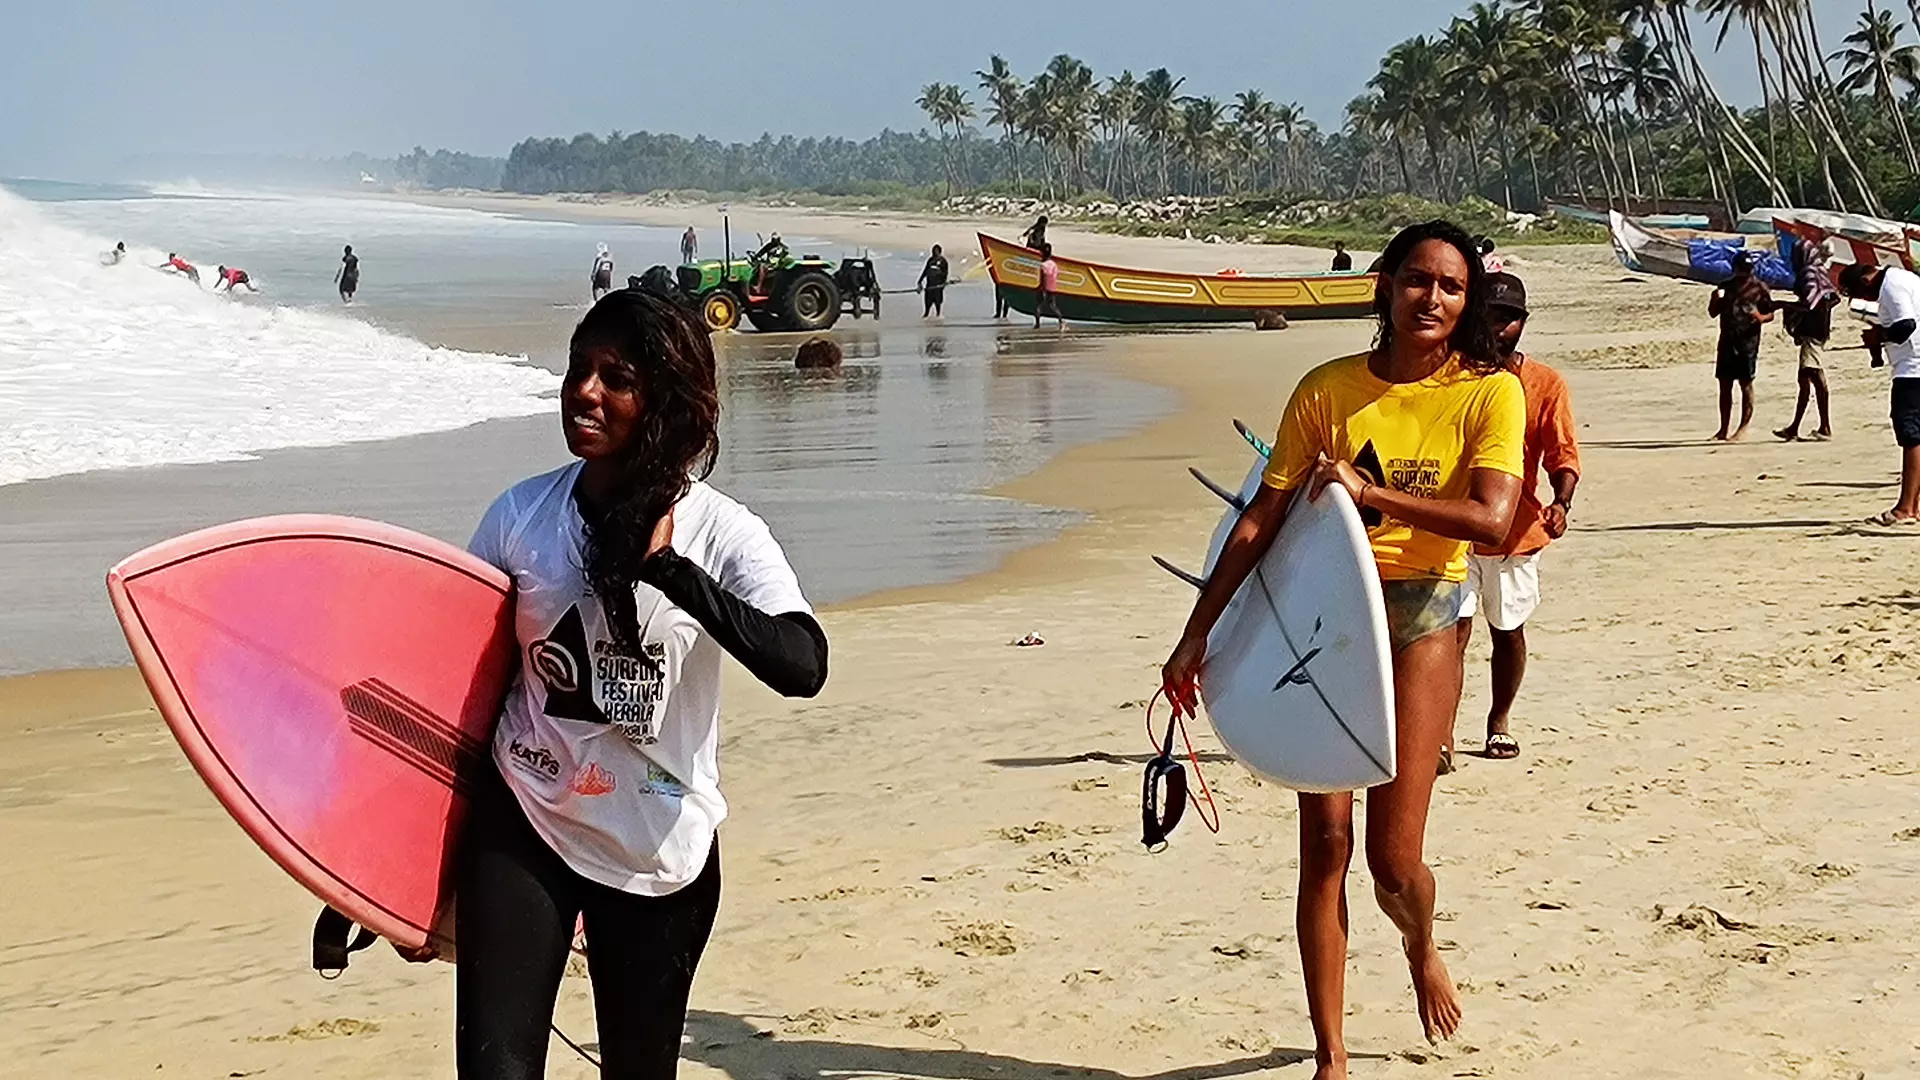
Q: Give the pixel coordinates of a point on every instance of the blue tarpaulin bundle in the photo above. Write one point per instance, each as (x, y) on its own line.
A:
(1714, 259)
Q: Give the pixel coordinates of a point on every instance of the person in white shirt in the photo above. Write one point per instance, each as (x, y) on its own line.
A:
(1898, 293)
(631, 576)
(602, 282)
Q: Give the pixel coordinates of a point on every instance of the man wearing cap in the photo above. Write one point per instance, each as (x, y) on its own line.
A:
(1898, 293)
(1503, 583)
(1743, 305)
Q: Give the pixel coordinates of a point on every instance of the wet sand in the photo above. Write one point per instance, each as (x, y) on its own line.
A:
(1702, 865)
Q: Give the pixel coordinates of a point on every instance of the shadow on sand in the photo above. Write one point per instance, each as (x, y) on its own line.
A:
(739, 1048)
(1210, 757)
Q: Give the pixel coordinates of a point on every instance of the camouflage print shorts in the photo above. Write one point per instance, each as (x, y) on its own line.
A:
(1420, 607)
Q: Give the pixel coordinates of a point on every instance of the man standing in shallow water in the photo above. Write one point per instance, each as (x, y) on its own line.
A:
(1503, 581)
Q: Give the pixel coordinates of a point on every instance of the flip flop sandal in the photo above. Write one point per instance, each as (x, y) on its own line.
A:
(1446, 761)
(1885, 519)
(1502, 747)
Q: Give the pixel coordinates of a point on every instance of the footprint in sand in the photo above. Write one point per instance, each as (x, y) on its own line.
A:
(340, 1027)
(1039, 832)
(981, 939)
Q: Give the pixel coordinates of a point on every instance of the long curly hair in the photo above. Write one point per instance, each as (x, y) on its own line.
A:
(1473, 336)
(673, 443)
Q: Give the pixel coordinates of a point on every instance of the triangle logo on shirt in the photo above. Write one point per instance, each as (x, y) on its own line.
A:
(1367, 464)
(563, 664)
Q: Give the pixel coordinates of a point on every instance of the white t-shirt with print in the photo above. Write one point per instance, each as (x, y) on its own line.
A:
(1899, 300)
(614, 756)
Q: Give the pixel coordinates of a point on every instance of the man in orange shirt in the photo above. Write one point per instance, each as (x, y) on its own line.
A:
(1503, 584)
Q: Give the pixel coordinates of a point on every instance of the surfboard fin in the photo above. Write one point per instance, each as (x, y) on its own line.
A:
(1194, 580)
(1253, 440)
(1228, 497)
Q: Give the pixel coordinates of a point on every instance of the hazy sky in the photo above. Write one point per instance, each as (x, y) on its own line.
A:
(86, 83)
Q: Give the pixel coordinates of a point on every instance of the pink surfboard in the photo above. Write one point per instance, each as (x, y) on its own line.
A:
(336, 683)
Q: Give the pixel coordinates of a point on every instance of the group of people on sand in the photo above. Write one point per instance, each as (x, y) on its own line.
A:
(634, 576)
(1744, 306)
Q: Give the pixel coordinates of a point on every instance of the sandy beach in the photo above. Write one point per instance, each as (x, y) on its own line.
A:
(1702, 865)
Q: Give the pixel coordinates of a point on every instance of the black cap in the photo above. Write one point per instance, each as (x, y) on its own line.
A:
(1746, 257)
(1506, 291)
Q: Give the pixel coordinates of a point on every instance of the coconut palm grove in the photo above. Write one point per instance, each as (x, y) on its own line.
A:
(1510, 101)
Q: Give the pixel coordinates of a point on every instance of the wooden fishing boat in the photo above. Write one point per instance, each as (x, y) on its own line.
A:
(1091, 292)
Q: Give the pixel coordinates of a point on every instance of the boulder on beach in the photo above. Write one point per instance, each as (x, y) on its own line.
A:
(817, 353)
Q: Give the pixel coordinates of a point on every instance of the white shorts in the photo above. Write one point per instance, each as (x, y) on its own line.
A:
(1505, 591)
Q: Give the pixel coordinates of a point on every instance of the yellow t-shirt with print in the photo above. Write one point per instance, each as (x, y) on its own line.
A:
(1422, 438)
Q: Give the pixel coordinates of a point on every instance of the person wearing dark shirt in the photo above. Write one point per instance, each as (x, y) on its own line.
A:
(1810, 320)
(933, 282)
(348, 276)
(1743, 305)
(1036, 235)
(1342, 261)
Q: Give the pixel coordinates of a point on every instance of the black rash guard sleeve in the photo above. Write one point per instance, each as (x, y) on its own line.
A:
(787, 652)
(1899, 332)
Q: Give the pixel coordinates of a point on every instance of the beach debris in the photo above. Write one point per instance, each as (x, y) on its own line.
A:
(1039, 831)
(817, 353)
(1032, 639)
(981, 939)
(1908, 834)
(321, 1029)
(1269, 320)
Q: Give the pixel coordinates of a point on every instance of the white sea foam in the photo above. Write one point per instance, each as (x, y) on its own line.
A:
(113, 366)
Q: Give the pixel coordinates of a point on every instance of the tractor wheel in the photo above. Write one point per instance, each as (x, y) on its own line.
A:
(763, 320)
(721, 310)
(810, 302)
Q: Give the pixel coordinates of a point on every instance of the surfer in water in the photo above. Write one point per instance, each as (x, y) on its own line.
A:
(1425, 432)
(176, 264)
(602, 272)
(348, 276)
(634, 576)
(232, 278)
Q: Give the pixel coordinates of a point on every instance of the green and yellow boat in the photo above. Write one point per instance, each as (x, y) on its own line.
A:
(1091, 292)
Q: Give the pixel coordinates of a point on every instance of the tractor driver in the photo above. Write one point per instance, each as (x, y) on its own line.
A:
(771, 254)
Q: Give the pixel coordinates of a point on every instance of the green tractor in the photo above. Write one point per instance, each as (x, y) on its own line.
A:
(774, 291)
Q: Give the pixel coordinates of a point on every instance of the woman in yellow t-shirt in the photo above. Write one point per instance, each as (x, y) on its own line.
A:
(1425, 432)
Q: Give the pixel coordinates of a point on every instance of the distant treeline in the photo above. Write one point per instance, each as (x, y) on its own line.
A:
(418, 169)
(645, 161)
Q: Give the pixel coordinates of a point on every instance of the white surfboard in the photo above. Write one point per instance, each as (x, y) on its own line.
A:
(1299, 675)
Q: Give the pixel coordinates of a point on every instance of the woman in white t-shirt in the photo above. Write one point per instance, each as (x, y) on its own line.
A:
(632, 576)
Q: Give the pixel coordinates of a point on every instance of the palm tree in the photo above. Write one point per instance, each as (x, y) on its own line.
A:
(1071, 91)
(947, 106)
(1487, 46)
(1644, 78)
(1875, 61)
(1002, 88)
(1158, 115)
(1410, 81)
(1252, 130)
(1200, 120)
(1116, 110)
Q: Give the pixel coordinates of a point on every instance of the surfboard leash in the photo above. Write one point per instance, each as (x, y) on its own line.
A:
(1158, 816)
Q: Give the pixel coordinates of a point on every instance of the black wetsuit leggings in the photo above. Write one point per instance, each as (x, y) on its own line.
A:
(515, 920)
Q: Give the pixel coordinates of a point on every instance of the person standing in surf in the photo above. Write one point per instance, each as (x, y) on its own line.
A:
(602, 272)
(933, 283)
(1047, 302)
(1425, 433)
(689, 246)
(633, 576)
(348, 276)
(1503, 580)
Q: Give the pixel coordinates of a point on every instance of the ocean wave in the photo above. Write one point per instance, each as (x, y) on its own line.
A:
(112, 366)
